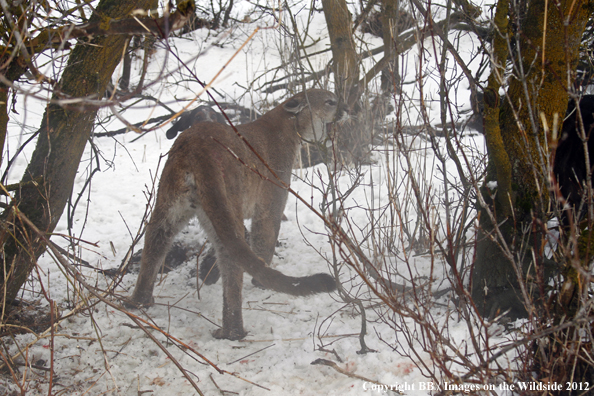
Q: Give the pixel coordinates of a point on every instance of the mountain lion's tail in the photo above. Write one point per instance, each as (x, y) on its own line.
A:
(230, 233)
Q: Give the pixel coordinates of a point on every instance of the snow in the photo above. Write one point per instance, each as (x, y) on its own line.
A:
(99, 350)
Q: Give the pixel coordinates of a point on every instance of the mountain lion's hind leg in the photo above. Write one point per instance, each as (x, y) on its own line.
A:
(167, 220)
(232, 277)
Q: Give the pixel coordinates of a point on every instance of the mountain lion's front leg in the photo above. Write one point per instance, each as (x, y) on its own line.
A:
(266, 221)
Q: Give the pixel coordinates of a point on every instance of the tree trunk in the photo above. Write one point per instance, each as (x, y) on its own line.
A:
(390, 32)
(516, 147)
(353, 141)
(344, 56)
(62, 139)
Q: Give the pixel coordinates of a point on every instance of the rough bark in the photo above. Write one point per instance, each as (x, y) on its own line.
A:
(353, 141)
(344, 56)
(62, 139)
(390, 31)
(516, 145)
(498, 157)
(12, 68)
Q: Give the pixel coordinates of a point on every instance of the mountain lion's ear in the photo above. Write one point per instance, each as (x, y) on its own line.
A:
(295, 105)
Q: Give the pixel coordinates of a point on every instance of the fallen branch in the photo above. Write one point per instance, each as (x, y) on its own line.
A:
(330, 363)
(305, 338)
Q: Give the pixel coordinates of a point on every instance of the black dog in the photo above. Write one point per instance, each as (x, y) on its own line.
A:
(570, 159)
(191, 117)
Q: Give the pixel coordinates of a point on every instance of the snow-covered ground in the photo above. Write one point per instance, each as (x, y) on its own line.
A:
(101, 351)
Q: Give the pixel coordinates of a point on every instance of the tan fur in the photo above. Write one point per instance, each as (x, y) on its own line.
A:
(203, 178)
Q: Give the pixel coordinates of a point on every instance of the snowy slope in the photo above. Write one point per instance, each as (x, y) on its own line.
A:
(101, 351)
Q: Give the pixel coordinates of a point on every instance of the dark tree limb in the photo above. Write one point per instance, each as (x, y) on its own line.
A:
(131, 26)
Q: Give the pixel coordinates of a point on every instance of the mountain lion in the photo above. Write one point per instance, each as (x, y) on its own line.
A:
(214, 175)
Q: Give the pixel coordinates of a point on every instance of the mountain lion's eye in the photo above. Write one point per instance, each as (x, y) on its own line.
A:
(331, 102)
